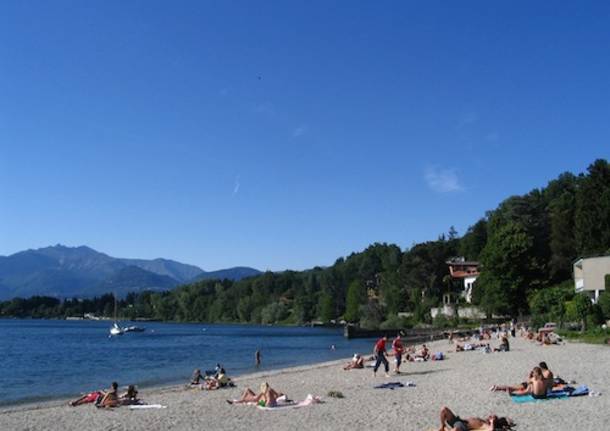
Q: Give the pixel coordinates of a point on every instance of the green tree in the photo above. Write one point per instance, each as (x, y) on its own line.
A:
(507, 262)
(473, 242)
(356, 296)
(592, 218)
(327, 307)
(604, 303)
(582, 305)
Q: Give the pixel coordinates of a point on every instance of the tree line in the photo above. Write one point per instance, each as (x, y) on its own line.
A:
(526, 247)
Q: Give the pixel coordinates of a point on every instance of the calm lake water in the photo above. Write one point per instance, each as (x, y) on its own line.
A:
(44, 359)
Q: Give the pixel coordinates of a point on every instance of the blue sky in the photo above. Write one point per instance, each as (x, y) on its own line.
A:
(284, 134)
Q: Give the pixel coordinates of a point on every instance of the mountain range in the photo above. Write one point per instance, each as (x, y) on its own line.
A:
(82, 272)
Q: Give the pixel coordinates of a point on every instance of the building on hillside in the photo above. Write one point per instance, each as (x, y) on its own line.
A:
(590, 275)
(467, 272)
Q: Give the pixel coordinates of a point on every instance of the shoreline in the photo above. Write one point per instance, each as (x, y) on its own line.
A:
(61, 400)
(460, 382)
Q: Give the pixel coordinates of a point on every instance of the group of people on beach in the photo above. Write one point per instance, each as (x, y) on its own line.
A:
(109, 398)
(211, 380)
(539, 383)
(398, 351)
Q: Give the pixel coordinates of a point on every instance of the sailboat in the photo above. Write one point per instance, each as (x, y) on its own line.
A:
(116, 329)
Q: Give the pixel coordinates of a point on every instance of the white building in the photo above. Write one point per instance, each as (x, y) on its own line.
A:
(590, 275)
(468, 271)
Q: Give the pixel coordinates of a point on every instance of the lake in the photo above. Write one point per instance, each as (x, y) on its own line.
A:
(45, 359)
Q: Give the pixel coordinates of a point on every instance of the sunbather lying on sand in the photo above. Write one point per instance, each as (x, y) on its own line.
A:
(456, 423)
(91, 397)
(356, 362)
(266, 398)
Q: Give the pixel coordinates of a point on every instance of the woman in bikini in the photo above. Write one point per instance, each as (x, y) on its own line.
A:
(266, 398)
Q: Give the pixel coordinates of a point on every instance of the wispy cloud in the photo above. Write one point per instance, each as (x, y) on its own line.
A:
(236, 186)
(299, 131)
(442, 180)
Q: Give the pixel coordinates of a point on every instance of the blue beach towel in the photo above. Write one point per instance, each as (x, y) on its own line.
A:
(522, 399)
(580, 391)
(568, 392)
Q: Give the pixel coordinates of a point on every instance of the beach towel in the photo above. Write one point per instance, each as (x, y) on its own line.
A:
(523, 399)
(393, 385)
(283, 403)
(147, 406)
(580, 391)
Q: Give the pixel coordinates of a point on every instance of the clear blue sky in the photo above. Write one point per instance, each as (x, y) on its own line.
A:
(285, 134)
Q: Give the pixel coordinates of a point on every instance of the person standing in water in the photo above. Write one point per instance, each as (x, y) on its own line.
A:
(379, 353)
(257, 358)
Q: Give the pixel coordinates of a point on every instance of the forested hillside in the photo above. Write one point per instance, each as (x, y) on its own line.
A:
(526, 247)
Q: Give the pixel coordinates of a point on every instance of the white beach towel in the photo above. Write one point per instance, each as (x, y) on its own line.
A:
(309, 400)
(147, 406)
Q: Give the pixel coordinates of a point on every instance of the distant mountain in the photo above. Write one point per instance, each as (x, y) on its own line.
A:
(236, 273)
(82, 272)
(176, 270)
(133, 279)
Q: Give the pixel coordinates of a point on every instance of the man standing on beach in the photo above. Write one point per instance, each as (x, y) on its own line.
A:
(398, 349)
(379, 353)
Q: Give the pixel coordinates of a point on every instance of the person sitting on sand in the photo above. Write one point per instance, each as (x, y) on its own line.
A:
(424, 353)
(217, 382)
(536, 386)
(456, 423)
(266, 398)
(504, 345)
(110, 398)
(130, 397)
(547, 375)
(356, 362)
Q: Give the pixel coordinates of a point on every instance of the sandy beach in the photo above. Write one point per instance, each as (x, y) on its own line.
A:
(461, 382)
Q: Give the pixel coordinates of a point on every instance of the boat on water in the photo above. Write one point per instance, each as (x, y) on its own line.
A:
(116, 329)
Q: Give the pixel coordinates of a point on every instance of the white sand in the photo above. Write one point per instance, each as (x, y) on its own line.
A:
(461, 382)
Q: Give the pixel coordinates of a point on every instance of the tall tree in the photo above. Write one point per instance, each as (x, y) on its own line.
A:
(592, 219)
